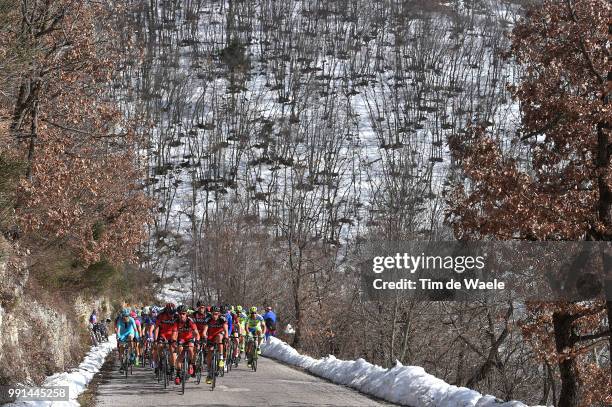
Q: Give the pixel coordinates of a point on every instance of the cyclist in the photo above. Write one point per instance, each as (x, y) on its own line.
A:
(225, 311)
(126, 332)
(215, 329)
(185, 331)
(235, 334)
(242, 317)
(199, 318)
(164, 327)
(136, 318)
(148, 326)
(255, 326)
(270, 320)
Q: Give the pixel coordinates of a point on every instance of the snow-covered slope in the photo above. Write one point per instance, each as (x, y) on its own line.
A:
(77, 379)
(406, 385)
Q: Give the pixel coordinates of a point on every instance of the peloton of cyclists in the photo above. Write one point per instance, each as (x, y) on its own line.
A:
(182, 326)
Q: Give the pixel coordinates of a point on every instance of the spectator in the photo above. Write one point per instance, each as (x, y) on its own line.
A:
(270, 320)
(93, 318)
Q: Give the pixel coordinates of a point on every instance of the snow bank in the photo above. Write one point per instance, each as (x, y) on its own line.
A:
(406, 385)
(77, 379)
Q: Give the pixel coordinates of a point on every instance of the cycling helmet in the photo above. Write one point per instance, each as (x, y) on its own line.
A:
(181, 308)
(146, 310)
(231, 308)
(238, 308)
(125, 312)
(214, 308)
(200, 303)
(169, 307)
(139, 313)
(253, 310)
(223, 309)
(133, 314)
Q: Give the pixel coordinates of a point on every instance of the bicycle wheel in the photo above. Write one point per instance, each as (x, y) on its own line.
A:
(132, 356)
(158, 366)
(126, 360)
(199, 366)
(249, 352)
(184, 371)
(164, 367)
(143, 355)
(230, 356)
(214, 368)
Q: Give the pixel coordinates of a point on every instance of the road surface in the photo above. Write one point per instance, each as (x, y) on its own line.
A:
(274, 384)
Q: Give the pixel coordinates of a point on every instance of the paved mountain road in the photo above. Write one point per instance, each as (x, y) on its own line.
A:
(274, 384)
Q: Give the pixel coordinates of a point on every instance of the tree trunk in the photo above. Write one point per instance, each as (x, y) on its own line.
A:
(297, 337)
(562, 323)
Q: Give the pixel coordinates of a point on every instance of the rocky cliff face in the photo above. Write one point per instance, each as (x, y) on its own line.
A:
(39, 335)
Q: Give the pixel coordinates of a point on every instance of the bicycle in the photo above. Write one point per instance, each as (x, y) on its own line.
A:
(93, 335)
(200, 359)
(101, 331)
(214, 365)
(146, 353)
(127, 359)
(230, 354)
(251, 351)
(163, 365)
(185, 368)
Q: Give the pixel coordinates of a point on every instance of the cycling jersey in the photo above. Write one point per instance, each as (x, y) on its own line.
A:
(165, 321)
(228, 317)
(242, 317)
(126, 329)
(147, 322)
(215, 327)
(235, 319)
(185, 329)
(200, 321)
(254, 324)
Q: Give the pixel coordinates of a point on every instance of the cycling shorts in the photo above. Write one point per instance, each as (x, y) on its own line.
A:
(255, 331)
(167, 336)
(125, 336)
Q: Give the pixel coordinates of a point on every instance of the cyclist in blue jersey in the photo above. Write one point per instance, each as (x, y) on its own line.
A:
(225, 311)
(126, 331)
(148, 327)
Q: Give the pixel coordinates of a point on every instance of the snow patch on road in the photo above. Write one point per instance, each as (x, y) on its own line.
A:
(77, 379)
(406, 385)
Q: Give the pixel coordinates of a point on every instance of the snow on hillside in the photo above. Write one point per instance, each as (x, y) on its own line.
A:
(406, 385)
(77, 379)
